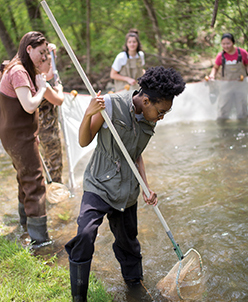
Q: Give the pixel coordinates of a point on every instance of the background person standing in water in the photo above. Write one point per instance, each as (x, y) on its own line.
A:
(233, 89)
(49, 130)
(21, 91)
(128, 65)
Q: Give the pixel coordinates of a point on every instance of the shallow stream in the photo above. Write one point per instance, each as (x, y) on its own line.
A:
(199, 170)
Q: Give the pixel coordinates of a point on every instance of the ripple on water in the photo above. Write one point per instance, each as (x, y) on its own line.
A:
(202, 185)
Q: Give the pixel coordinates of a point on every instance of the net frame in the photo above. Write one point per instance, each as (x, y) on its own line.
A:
(184, 276)
(57, 192)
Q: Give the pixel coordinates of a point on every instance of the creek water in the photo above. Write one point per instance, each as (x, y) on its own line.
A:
(199, 170)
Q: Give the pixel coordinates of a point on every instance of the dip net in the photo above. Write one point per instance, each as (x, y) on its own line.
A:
(185, 280)
(57, 192)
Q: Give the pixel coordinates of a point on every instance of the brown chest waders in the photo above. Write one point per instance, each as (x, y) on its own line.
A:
(18, 131)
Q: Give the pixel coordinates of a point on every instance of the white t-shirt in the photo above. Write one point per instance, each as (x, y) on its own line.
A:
(121, 60)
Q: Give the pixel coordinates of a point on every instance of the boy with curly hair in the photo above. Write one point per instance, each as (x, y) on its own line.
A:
(110, 187)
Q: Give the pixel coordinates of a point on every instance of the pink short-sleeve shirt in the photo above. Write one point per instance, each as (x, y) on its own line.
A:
(16, 77)
(232, 59)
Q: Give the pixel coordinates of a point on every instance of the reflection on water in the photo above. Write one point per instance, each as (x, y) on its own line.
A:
(199, 170)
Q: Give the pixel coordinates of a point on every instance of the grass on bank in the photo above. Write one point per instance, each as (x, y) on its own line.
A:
(24, 277)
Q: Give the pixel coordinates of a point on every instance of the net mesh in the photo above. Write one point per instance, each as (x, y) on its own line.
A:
(199, 101)
(57, 192)
(185, 280)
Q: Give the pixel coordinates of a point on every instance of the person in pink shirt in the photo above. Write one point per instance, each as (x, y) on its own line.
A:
(234, 66)
(22, 88)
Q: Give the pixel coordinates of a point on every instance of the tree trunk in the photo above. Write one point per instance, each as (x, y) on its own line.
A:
(215, 13)
(35, 16)
(79, 41)
(7, 41)
(152, 16)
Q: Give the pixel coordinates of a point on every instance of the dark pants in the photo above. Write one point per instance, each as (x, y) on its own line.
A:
(122, 224)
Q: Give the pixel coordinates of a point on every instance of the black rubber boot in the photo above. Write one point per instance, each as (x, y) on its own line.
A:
(79, 275)
(132, 274)
(23, 216)
(37, 230)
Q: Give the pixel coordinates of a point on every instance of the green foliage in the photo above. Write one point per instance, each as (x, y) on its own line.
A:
(232, 18)
(24, 277)
(27, 278)
(64, 216)
(183, 25)
(7, 249)
(96, 291)
(15, 17)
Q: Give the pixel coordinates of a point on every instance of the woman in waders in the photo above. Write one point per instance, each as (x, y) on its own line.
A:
(128, 65)
(110, 187)
(233, 88)
(21, 91)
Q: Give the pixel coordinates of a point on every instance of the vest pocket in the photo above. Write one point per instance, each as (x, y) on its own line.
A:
(110, 182)
(107, 175)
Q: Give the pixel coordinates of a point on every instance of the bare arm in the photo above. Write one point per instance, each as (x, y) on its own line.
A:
(30, 103)
(116, 76)
(153, 200)
(92, 120)
(214, 72)
(54, 95)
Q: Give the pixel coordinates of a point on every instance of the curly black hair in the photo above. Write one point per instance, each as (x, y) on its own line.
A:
(160, 83)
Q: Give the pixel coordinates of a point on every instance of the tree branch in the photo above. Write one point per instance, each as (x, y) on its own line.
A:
(216, 4)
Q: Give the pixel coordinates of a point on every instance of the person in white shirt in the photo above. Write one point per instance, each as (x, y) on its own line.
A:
(128, 64)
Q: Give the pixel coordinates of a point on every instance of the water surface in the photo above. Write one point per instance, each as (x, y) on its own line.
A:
(199, 170)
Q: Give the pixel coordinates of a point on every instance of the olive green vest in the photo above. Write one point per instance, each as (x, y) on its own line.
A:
(108, 174)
